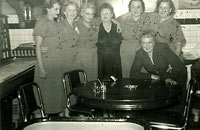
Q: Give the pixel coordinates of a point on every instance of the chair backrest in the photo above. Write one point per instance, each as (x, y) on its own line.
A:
(73, 78)
(27, 100)
(190, 90)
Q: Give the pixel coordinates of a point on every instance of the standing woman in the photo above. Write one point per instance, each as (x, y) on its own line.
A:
(109, 40)
(167, 29)
(132, 25)
(48, 66)
(86, 46)
(69, 36)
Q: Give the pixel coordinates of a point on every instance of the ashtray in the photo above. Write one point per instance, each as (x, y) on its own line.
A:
(131, 86)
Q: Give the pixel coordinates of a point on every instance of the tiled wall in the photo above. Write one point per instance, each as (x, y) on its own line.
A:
(19, 36)
(12, 19)
(192, 34)
(185, 14)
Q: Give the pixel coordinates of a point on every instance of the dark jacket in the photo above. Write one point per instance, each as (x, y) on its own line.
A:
(166, 64)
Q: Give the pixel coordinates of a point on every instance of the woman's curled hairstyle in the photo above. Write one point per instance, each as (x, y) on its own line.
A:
(171, 4)
(129, 4)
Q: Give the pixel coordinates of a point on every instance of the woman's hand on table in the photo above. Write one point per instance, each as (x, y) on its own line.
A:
(155, 77)
(170, 81)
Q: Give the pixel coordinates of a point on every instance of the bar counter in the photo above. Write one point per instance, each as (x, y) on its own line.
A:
(13, 75)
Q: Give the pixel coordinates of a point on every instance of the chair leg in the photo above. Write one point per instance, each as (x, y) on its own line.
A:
(66, 112)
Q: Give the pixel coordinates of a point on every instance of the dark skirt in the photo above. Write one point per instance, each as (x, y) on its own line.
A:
(109, 63)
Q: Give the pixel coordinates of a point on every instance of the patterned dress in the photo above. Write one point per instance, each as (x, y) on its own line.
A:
(168, 31)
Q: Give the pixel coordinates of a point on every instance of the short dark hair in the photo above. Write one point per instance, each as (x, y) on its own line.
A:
(171, 4)
(143, 5)
(49, 4)
(106, 6)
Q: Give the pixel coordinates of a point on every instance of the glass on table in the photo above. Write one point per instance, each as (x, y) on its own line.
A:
(96, 88)
(103, 87)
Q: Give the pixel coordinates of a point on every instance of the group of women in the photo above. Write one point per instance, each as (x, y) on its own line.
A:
(100, 46)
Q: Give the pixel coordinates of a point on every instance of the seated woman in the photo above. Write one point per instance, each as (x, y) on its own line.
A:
(159, 61)
(161, 64)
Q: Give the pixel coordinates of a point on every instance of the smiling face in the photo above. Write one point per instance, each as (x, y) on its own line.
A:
(106, 15)
(136, 8)
(54, 11)
(70, 12)
(148, 44)
(88, 15)
(164, 9)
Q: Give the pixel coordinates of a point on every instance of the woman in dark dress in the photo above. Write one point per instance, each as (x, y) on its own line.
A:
(109, 40)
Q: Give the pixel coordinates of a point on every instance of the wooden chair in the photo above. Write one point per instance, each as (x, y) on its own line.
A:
(73, 81)
(27, 101)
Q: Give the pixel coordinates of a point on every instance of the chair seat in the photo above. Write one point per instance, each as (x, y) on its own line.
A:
(168, 118)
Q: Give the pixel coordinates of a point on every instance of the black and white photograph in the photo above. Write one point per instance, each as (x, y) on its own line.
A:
(100, 64)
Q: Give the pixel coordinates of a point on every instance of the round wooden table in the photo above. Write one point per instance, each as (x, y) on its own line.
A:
(146, 94)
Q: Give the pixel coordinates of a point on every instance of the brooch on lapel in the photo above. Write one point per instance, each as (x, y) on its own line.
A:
(95, 28)
(76, 29)
(169, 69)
